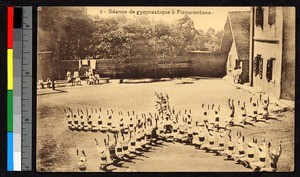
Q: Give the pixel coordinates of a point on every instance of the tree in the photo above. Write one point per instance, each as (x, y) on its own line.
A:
(69, 30)
(72, 34)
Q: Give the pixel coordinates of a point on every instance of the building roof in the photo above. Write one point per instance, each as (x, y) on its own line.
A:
(238, 22)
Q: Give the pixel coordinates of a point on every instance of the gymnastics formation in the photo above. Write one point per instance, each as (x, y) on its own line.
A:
(129, 134)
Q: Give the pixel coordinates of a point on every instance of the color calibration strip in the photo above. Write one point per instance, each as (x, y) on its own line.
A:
(19, 55)
(10, 144)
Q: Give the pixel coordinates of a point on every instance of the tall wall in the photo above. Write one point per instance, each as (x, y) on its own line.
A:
(289, 54)
(44, 69)
(268, 43)
(208, 64)
(195, 64)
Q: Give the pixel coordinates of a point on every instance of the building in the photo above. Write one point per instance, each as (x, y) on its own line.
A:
(235, 44)
(272, 51)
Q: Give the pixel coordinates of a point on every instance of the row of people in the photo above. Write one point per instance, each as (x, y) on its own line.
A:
(42, 84)
(94, 120)
(74, 79)
(220, 141)
(255, 111)
(93, 79)
(144, 135)
(121, 145)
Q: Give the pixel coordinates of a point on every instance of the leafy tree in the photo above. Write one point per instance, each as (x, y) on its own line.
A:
(72, 34)
(69, 30)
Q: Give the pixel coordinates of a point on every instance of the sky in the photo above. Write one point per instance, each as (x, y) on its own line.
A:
(214, 17)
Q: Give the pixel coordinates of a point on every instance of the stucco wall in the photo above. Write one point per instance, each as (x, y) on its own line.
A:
(289, 55)
(269, 50)
(231, 61)
(232, 56)
(270, 32)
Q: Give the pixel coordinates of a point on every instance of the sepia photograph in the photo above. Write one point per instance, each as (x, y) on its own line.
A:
(165, 89)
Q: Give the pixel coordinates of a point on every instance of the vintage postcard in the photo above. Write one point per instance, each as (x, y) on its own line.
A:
(165, 89)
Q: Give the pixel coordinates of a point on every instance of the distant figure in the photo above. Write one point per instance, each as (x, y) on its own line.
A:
(68, 74)
(97, 78)
(76, 74)
(237, 72)
(41, 83)
(48, 83)
(91, 71)
(69, 77)
(86, 74)
(77, 78)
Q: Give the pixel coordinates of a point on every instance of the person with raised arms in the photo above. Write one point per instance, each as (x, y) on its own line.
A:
(220, 147)
(250, 153)
(182, 136)
(217, 117)
(230, 147)
(81, 160)
(254, 106)
(243, 117)
(230, 121)
(210, 134)
(132, 142)
(175, 128)
(190, 130)
(81, 120)
(104, 154)
(89, 120)
(201, 137)
(148, 131)
(240, 149)
(69, 119)
(119, 145)
(195, 140)
(126, 144)
(112, 146)
(274, 157)
(262, 155)
(265, 105)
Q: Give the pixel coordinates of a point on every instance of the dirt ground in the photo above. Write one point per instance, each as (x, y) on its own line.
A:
(56, 144)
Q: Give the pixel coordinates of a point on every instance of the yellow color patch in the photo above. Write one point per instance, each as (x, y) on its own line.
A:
(10, 69)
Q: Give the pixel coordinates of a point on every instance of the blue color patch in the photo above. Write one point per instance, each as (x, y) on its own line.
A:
(10, 152)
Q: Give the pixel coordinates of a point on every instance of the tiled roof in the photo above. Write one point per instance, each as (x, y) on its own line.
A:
(239, 23)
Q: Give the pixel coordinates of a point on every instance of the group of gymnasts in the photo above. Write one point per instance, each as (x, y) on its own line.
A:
(125, 140)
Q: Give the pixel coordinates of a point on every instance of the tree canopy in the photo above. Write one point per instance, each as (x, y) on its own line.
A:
(73, 34)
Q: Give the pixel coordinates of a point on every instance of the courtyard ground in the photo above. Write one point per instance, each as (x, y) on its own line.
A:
(56, 144)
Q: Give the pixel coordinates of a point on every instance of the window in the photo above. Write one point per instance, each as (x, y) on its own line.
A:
(237, 64)
(260, 17)
(271, 16)
(256, 64)
(261, 66)
(269, 74)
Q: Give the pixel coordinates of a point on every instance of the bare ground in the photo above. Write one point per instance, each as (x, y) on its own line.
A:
(56, 144)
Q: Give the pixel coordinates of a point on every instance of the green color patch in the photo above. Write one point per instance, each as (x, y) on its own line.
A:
(9, 110)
